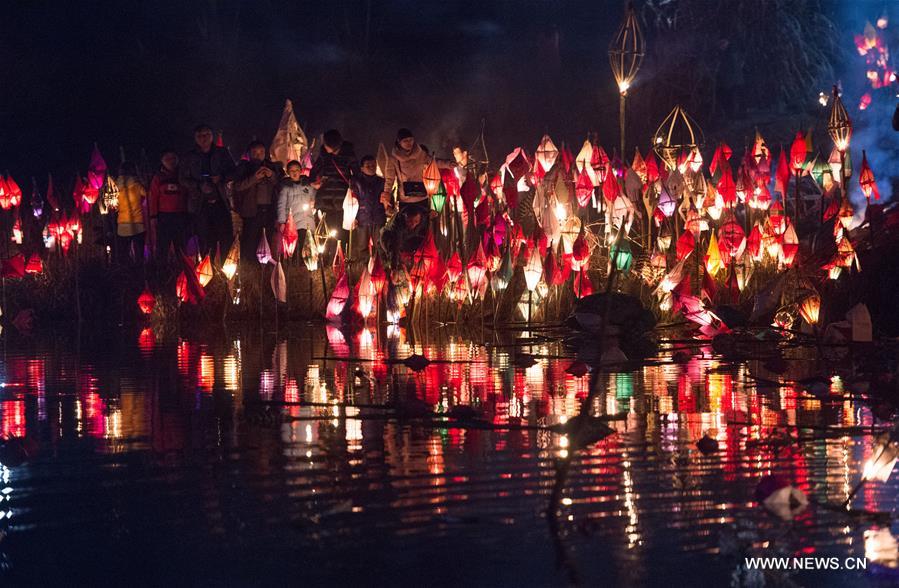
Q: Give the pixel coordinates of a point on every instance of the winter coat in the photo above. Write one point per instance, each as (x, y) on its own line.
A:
(340, 168)
(297, 198)
(197, 169)
(166, 194)
(250, 193)
(368, 190)
(407, 166)
(131, 212)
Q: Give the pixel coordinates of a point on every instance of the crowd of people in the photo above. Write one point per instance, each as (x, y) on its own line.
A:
(204, 195)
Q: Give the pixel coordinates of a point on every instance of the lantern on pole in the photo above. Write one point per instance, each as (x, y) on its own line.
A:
(866, 179)
(430, 177)
(533, 270)
(840, 128)
(229, 267)
(625, 56)
(678, 132)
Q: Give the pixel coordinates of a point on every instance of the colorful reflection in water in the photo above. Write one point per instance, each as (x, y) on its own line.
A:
(203, 460)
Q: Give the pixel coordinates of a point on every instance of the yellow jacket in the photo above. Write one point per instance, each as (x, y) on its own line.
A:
(131, 196)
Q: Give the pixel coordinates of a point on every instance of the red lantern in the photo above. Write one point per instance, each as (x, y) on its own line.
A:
(146, 301)
(290, 236)
(35, 265)
(798, 153)
(378, 276)
(866, 179)
(5, 197)
(15, 192)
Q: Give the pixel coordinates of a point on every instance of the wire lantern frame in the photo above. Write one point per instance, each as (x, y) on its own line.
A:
(678, 132)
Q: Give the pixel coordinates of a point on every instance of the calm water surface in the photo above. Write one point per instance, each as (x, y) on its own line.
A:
(252, 459)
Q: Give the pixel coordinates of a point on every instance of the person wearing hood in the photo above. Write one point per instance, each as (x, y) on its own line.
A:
(405, 165)
(204, 173)
(167, 207)
(255, 185)
(130, 230)
(333, 170)
(296, 197)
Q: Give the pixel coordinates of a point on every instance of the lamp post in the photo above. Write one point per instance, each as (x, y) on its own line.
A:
(840, 129)
(625, 56)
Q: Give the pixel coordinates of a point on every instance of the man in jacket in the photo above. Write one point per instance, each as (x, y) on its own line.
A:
(204, 173)
(255, 187)
(333, 170)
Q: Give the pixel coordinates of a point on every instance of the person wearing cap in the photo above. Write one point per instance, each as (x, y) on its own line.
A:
(405, 165)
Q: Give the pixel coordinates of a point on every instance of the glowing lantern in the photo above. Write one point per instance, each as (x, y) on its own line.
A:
(798, 153)
(5, 197)
(866, 179)
(621, 255)
(110, 194)
(338, 299)
(229, 267)
(146, 301)
(278, 282)
(309, 252)
(600, 163)
(438, 199)
(880, 465)
(546, 153)
(810, 309)
(667, 203)
(790, 246)
(754, 243)
(290, 235)
(366, 294)
(685, 244)
(35, 265)
(760, 199)
(477, 272)
(204, 271)
(713, 262)
(731, 239)
(626, 52)
(501, 278)
(181, 290)
(582, 284)
(664, 238)
(454, 267)
(15, 192)
(838, 124)
(263, 251)
(17, 235)
(350, 209)
(533, 270)
(430, 176)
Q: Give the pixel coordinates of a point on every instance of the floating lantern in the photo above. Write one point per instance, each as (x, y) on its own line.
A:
(779, 497)
(146, 301)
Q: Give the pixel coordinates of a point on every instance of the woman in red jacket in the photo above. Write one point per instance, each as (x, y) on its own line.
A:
(168, 207)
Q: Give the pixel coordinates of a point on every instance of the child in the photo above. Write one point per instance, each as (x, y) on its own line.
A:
(371, 216)
(296, 196)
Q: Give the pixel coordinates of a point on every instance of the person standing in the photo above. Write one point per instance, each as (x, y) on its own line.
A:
(371, 217)
(204, 172)
(130, 229)
(167, 207)
(255, 185)
(333, 171)
(296, 196)
(405, 165)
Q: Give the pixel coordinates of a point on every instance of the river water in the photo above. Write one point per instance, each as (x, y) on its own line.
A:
(256, 459)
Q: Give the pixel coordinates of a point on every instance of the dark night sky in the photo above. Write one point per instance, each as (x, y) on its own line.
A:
(142, 74)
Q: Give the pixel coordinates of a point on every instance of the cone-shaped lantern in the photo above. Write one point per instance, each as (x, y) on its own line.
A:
(366, 294)
(204, 271)
(810, 309)
(350, 209)
(279, 283)
(338, 299)
(866, 179)
(547, 153)
(310, 252)
(838, 124)
(263, 251)
(430, 176)
(533, 270)
(289, 236)
(229, 268)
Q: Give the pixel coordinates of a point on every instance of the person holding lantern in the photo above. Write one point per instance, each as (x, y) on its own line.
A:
(204, 173)
(167, 207)
(296, 198)
(405, 165)
(130, 230)
(255, 184)
(371, 217)
(403, 236)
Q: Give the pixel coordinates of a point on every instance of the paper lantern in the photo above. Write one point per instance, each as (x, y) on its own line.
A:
(35, 265)
(146, 301)
(15, 192)
(760, 198)
(626, 51)
(713, 262)
(430, 176)
(582, 284)
(779, 497)
(278, 283)
(438, 199)
(263, 251)
(667, 203)
(547, 153)
(204, 271)
(229, 267)
(17, 234)
(477, 272)
(866, 179)
(685, 245)
(731, 239)
(454, 267)
(810, 309)
(110, 194)
(790, 246)
(350, 210)
(365, 294)
(181, 290)
(290, 235)
(501, 278)
(5, 198)
(798, 153)
(838, 124)
(621, 255)
(533, 270)
(338, 299)
(309, 253)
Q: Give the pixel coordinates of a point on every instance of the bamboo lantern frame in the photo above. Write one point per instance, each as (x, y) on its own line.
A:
(626, 54)
(678, 132)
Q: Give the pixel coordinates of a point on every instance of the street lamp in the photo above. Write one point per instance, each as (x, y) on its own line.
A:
(625, 56)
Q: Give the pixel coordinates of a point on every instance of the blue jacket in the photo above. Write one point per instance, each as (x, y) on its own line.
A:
(368, 190)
